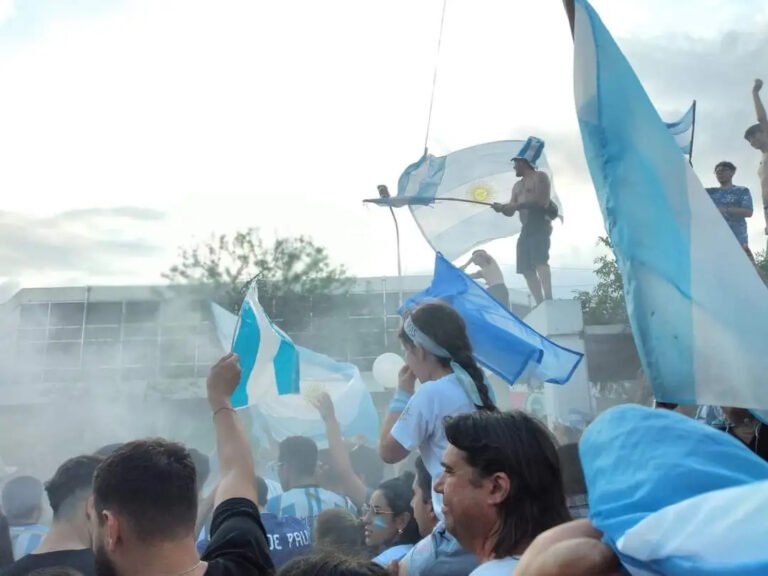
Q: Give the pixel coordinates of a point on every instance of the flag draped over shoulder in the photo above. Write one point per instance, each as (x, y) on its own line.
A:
(696, 305)
(482, 173)
(682, 130)
(501, 342)
(290, 414)
(674, 496)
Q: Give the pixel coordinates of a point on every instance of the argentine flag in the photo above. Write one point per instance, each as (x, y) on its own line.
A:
(696, 305)
(674, 496)
(268, 357)
(682, 130)
(282, 415)
(501, 342)
(482, 173)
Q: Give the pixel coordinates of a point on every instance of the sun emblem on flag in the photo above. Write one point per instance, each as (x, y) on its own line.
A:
(480, 193)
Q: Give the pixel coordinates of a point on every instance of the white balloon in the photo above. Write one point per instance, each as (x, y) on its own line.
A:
(386, 368)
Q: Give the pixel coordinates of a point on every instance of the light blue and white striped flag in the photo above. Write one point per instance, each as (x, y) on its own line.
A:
(682, 130)
(696, 305)
(285, 415)
(268, 357)
(673, 496)
(482, 173)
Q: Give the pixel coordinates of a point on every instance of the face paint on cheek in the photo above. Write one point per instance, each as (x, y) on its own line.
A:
(379, 522)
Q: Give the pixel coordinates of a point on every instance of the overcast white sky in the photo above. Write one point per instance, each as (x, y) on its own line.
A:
(130, 127)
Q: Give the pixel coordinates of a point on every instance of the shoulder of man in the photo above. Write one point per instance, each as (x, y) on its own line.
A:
(238, 537)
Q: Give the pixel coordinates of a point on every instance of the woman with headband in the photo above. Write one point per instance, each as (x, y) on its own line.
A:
(439, 355)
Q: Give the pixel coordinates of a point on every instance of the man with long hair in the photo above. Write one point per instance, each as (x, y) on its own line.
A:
(501, 486)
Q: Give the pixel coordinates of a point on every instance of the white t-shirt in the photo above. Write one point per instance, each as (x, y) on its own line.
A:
(500, 567)
(421, 424)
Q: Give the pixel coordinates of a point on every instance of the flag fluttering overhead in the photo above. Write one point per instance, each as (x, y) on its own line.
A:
(450, 196)
(674, 496)
(695, 302)
(683, 130)
(290, 414)
(268, 357)
(501, 342)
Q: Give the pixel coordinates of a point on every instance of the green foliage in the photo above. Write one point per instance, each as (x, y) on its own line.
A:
(290, 266)
(605, 304)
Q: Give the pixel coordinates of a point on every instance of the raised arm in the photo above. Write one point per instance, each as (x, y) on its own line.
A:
(351, 483)
(762, 119)
(238, 479)
(390, 450)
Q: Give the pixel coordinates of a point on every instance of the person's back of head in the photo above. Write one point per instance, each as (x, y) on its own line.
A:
(511, 451)
(367, 464)
(144, 494)
(70, 487)
(262, 492)
(202, 467)
(338, 529)
(331, 564)
(107, 449)
(23, 500)
(297, 461)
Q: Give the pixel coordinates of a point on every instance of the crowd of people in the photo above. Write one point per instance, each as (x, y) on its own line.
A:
(456, 486)
(478, 491)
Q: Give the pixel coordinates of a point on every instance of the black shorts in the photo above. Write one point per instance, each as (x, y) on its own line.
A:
(533, 247)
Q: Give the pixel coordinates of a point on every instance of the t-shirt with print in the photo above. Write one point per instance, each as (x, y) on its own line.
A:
(288, 537)
(80, 560)
(306, 503)
(421, 424)
(238, 545)
(500, 567)
(733, 197)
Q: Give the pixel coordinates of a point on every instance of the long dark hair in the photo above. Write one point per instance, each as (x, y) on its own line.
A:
(447, 329)
(520, 447)
(399, 493)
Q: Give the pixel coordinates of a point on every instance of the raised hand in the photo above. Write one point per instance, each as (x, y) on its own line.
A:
(223, 379)
(758, 85)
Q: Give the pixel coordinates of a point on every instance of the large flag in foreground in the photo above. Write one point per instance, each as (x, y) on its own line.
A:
(290, 414)
(683, 131)
(502, 342)
(674, 496)
(482, 173)
(696, 305)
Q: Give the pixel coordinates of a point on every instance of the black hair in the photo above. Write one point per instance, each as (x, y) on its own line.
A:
(367, 463)
(519, 446)
(6, 546)
(152, 485)
(202, 467)
(299, 453)
(570, 466)
(338, 529)
(329, 563)
(71, 485)
(424, 480)
(262, 491)
(726, 164)
(108, 449)
(752, 131)
(447, 329)
(399, 492)
(22, 498)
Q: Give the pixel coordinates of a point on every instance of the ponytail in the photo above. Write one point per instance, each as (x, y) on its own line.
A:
(466, 360)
